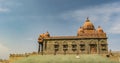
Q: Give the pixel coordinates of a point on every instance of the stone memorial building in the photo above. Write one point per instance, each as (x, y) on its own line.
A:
(88, 40)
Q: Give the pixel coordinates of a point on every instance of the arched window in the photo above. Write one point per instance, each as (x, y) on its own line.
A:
(82, 46)
(65, 46)
(56, 46)
(103, 45)
(74, 46)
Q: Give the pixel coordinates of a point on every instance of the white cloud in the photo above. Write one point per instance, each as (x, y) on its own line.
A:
(30, 39)
(8, 5)
(4, 6)
(4, 51)
(4, 9)
(115, 28)
(103, 14)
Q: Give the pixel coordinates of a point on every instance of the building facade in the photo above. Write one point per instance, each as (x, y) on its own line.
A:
(87, 41)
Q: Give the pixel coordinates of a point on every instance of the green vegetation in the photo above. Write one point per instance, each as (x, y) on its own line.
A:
(65, 59)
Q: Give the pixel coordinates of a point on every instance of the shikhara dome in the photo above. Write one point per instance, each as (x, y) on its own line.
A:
(88, 29)
(99, 30)
(88, 25)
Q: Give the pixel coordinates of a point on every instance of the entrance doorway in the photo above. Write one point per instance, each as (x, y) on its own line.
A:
(93, 48)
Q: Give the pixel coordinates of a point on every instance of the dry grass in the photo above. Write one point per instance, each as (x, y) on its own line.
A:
(66, 59)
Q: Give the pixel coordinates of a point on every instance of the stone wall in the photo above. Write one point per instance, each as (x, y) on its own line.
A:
(82, 46)
(14, 57)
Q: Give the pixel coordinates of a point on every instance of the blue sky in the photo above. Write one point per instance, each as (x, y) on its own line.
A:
(21, 21)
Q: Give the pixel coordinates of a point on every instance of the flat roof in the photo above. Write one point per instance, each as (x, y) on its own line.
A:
(74, 37)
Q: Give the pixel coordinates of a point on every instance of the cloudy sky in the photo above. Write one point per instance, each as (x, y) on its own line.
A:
(21, 21)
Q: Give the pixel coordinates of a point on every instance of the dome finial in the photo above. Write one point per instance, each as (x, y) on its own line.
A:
(87, 18)
(99, 26)
(47, 34)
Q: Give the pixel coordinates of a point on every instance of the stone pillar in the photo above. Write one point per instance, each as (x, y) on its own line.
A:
(88, 44)
(60, 47)
(69, 48)
(43, 47)
(107, 48)
(52, 47)
(78, 47)
(98, 47)
(88, 48)
(38, 48)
